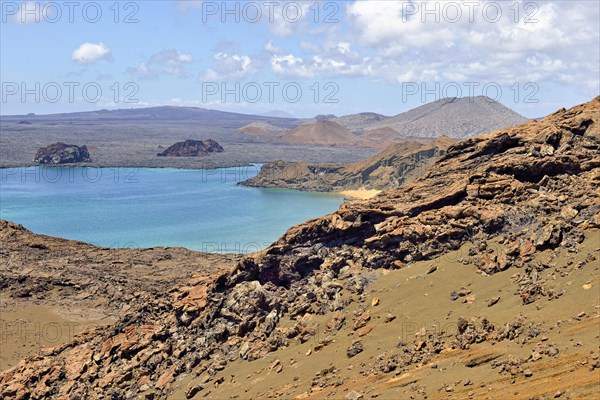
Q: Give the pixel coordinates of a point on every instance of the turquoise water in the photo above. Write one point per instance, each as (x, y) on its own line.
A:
(145, 207)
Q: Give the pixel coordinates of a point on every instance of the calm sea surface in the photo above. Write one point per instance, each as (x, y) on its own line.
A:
(145, 207)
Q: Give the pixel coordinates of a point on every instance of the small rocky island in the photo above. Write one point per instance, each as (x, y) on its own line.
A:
(61, 153)
(192, 148)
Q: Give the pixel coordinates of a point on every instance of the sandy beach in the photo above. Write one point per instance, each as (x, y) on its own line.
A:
(361, 194)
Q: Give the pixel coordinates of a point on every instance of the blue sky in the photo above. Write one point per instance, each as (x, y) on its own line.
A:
(344, 57)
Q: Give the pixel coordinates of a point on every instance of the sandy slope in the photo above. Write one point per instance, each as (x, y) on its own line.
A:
(422, 307)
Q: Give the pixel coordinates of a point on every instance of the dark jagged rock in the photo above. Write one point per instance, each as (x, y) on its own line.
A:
(192, 148)
(61, 153)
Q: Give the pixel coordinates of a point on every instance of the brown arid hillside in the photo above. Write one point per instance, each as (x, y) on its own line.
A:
(380, 134)
(260, 129)
(478, 280)
(458, 118)
(326, 133)
(385, 163)
(390, 168)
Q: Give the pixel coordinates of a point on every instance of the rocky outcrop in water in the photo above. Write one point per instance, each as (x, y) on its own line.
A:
(61, 153)
(192, 148)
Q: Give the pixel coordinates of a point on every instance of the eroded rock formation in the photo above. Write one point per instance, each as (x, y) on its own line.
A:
(192, 148)
(61, 153)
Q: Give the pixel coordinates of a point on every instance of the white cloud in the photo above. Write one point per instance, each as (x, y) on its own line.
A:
(291, 66)
(90, 53)
(380, 41)
(167, 62)
(331, 59)
(344, 48)
(229, 66)
(271, 48)
(560, 41)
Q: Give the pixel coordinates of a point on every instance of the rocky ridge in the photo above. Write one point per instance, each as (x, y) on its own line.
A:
(531, 188)
(390, 168)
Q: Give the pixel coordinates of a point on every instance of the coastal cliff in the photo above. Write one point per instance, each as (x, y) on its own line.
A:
(390, 168)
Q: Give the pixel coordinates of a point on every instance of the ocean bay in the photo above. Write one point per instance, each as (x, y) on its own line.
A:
(204, 210)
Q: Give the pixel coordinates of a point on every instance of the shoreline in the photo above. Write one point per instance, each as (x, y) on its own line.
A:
(88, 165)
(360, 194)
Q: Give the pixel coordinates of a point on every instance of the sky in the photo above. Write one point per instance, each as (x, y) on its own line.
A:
(299, 57)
